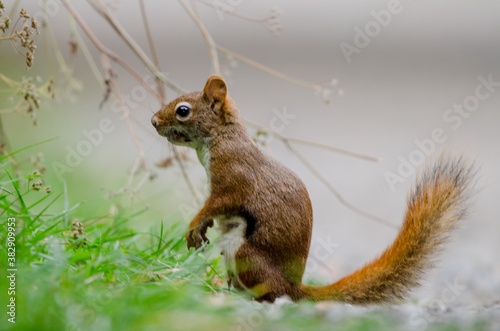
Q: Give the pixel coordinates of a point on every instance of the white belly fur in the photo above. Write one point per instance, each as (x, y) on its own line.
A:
(232, 237)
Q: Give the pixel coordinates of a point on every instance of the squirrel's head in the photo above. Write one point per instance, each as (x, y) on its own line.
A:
(193, 118)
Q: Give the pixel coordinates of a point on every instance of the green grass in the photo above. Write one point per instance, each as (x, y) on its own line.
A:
(109, 277)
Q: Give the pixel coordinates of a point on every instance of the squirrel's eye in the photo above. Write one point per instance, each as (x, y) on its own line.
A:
(183, 111)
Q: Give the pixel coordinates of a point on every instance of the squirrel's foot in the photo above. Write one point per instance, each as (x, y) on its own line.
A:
(196, 236)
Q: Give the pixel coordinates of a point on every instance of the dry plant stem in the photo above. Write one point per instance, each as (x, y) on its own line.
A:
(131, 43)
(133, 172)
(212, 46)
(101, 8)
(330, 148)
(311, 143)
(95, 221)
(46, 42)
(12, 36)
(125, 113)
(107, 54)
(4, 143)
(334, 191)
(154, 54)
(86, 53)
(13, 8)
(64, 68)
(267, 69)
(230, 12)
(186, 177)
(194, 7)
(101, 48)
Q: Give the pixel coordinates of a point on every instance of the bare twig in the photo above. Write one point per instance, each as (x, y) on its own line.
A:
(126, 117)
(334, 191)
(315, 87)
(311, 143)
(103, 49)
(269, 70)
(13, 8)
(212, 46)
(101, 8)
(111, 81)
(86, 52)
(154, 54)
(186, 177)
(96, 220)
(232, 12)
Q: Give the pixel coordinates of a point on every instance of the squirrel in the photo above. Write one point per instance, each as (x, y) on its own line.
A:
(265, 216)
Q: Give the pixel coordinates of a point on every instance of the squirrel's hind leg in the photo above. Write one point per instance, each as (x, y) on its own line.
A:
(258, 276)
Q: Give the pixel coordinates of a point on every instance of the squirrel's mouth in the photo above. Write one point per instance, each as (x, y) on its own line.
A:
(176, 136)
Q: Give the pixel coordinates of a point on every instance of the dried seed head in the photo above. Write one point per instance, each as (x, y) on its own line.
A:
(23, 13)
(6, 24)
(34, 25)
(37, 185)
(76, 229)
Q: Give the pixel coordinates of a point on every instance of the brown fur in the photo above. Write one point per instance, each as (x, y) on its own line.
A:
(273, 201)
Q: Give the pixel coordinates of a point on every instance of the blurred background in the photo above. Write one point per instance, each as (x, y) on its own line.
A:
(389, 74)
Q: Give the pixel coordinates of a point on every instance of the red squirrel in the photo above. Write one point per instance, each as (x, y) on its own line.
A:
(265, 216)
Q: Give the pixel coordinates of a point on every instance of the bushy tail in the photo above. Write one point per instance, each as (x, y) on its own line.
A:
(437, 202)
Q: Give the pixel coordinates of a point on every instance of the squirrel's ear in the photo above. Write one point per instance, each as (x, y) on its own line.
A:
(215, 90)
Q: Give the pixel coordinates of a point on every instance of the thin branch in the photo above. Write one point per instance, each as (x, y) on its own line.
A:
(101, 8)
(13, 9)
(125, 113)
(267, 69)
(311, 143)
(212, 46)
(64, 68)
(152, 47)
(110, 79)
(107, 54)
(97, 43)
(47, 30)
(334, 191)
(86, 52)
(186, 177)
(232, 12)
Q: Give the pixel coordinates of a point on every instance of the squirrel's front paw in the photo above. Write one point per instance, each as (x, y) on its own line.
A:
(195, 237)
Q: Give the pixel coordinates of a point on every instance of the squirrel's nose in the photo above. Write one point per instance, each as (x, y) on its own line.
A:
(155, 121)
